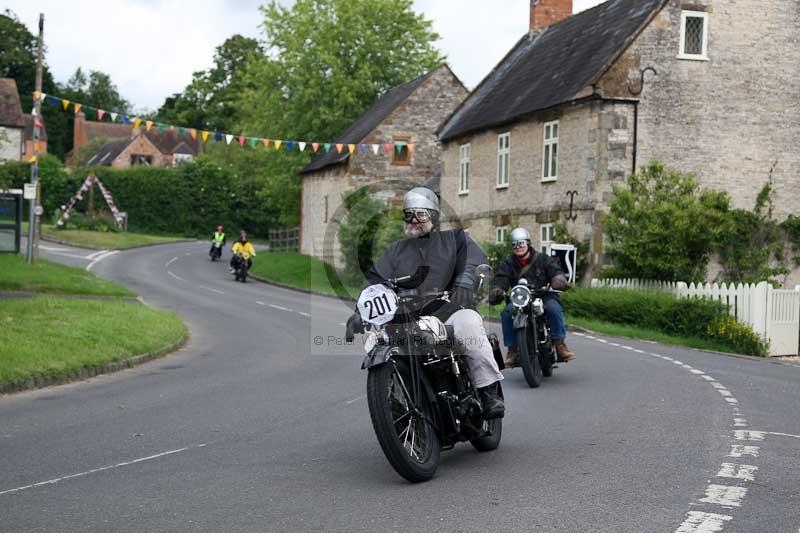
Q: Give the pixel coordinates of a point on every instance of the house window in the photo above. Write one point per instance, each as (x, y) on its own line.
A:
(463, 169)
(546, 238)
(694, 35)
(400, 154)
(181, 158)
(503, 155)
(137, 159)
(550, 160)
(500, 234)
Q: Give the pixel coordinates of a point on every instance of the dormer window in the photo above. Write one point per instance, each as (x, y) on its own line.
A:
(694, 36)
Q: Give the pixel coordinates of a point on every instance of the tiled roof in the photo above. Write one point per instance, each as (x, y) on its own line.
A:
(368, 121)
(10, 108)
(553, 66)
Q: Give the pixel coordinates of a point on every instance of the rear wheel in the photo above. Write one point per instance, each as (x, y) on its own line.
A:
(406, 435)
(528, 357)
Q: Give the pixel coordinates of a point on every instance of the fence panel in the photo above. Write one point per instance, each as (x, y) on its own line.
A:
(284, 240)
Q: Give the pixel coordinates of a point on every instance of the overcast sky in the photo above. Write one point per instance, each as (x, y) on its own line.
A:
(151, 47)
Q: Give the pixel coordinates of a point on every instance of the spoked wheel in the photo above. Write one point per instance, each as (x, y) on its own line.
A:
(528, 358)
(547, 366)
(405, 433)
(491, 440)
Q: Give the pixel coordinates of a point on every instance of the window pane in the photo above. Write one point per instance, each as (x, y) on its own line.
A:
(693, 41)
(547, 132)
(555, 130)
(554, 168)
(547, 161)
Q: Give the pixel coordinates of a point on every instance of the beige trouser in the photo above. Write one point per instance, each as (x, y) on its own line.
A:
(471, 338)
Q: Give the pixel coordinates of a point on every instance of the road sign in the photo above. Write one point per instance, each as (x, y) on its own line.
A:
(38, 210)
(30, 191)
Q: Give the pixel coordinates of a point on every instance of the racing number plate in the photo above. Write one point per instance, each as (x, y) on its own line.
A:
(377, 304)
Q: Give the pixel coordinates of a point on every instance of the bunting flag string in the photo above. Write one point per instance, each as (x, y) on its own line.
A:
(290, 145)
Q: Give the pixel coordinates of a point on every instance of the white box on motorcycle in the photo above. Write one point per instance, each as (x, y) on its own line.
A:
(567, 257)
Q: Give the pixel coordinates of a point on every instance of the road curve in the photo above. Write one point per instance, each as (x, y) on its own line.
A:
(254, 427)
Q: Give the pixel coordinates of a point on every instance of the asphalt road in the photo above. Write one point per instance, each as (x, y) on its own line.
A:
(254, 427)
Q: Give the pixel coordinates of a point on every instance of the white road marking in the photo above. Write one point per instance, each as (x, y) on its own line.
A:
(118, 465)
(639, 351)
(261, 303)
(708, 378)
(731, 400)
(100, 258)
(724, 392)
(738, 450)
(278, 307)
(746, 434)
(735, 471)
(724, 495)
(348, 402)
(698, 522)
(740, 422)
(168, 263)
(175, 275)
(718, 385)
(665, 358)
(303, 314)
(613, 344)
(95, 254)
(698, 372)
(780, 434)
(210, 289)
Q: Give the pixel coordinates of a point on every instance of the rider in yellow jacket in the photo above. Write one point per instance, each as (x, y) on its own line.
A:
(242, 251)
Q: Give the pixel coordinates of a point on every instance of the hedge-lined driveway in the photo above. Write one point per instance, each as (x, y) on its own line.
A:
(261, 424)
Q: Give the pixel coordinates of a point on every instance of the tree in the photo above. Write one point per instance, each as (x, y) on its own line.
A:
(210, 101)
(329, 60)
(662, 227)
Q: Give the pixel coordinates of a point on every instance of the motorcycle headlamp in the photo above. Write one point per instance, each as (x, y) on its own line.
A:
(520, 296)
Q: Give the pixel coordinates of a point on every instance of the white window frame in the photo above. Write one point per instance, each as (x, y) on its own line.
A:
(546, 230)
(463, 168)
(503, 160)
(500, 234)
(682, 50)
(550, 135)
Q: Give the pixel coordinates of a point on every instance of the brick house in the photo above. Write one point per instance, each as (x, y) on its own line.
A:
(122, 146)
(12, 121)
(27, 148)
(408, 113)
(583, 100)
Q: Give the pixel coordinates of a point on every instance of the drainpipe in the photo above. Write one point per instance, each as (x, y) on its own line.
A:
(637, 92)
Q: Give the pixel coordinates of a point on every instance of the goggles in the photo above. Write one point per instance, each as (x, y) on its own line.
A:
(421, 215)
(519, 244)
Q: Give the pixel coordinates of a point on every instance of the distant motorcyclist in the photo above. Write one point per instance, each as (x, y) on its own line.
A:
(242, 251)
(539, 270)
(452, 257)
(217, 240)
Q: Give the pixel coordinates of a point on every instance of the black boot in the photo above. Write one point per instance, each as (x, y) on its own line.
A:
(493, 406)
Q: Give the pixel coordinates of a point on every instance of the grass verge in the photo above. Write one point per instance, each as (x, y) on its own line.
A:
(297, 270)
(47, 277)
(100, 239)
(49, 338)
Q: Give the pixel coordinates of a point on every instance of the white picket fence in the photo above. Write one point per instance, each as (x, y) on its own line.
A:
(772, 313)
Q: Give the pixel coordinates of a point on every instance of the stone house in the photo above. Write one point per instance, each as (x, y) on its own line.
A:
(122, 145)
(705, 86)
(408, 113)
(12, 121)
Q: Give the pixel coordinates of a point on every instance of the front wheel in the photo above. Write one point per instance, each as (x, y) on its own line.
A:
(406, 435)
(490, 441)
(528, 357)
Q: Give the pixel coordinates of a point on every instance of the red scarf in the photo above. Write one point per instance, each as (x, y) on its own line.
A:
(524, 260)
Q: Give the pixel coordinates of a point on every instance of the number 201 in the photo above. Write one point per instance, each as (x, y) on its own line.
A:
(378, 306)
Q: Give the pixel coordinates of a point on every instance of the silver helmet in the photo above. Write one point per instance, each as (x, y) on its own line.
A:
(421, 198)
(520, 234)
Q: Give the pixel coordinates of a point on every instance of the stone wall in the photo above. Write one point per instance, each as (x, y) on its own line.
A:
(10, 143)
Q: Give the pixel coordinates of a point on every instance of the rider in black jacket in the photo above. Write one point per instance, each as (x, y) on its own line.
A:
(539, 270)
(451, 258)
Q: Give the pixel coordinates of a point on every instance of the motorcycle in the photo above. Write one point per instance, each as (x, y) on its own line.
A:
(216, 250)
(240, 272)
(420, 393)
(537, 354)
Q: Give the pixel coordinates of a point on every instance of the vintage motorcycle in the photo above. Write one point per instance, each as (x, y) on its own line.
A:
(537, 355)
(216, 250)
(420, 393)
(240, 272)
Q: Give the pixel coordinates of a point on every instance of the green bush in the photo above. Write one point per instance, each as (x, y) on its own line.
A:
(739, 337)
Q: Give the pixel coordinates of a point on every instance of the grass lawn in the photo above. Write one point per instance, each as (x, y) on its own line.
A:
(47, 277)
(99, 239)
(297, 270)
(48, 337)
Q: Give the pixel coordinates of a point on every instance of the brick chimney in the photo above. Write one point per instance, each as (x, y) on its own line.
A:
(79, 136)
(547, 12)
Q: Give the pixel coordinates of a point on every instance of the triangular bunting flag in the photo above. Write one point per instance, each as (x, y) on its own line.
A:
(42, 97)
(375, 148)
(126, 119)
(204, 136)
(339, 148)
(410, 148)
(77, 108)
(327, 147)
(398, 147)
(387, 148)
(253, 142)
(228, 138)
(290, 145)
(265, 142)
(217, 136)
(193, 133)
(351, 148)
(160, 127)
(363, 148)
(148, 124)
(315, 147)
(65, 104)
(113, 117)
(136, 122)
(242, 140)
(278, 145)
(302, 146)
(100, 114)
(52, 100)
(181, 131)
(36, 95)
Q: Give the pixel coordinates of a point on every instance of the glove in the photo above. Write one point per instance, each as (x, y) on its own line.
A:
(354, 325)
(463, 297)
(496, 296)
